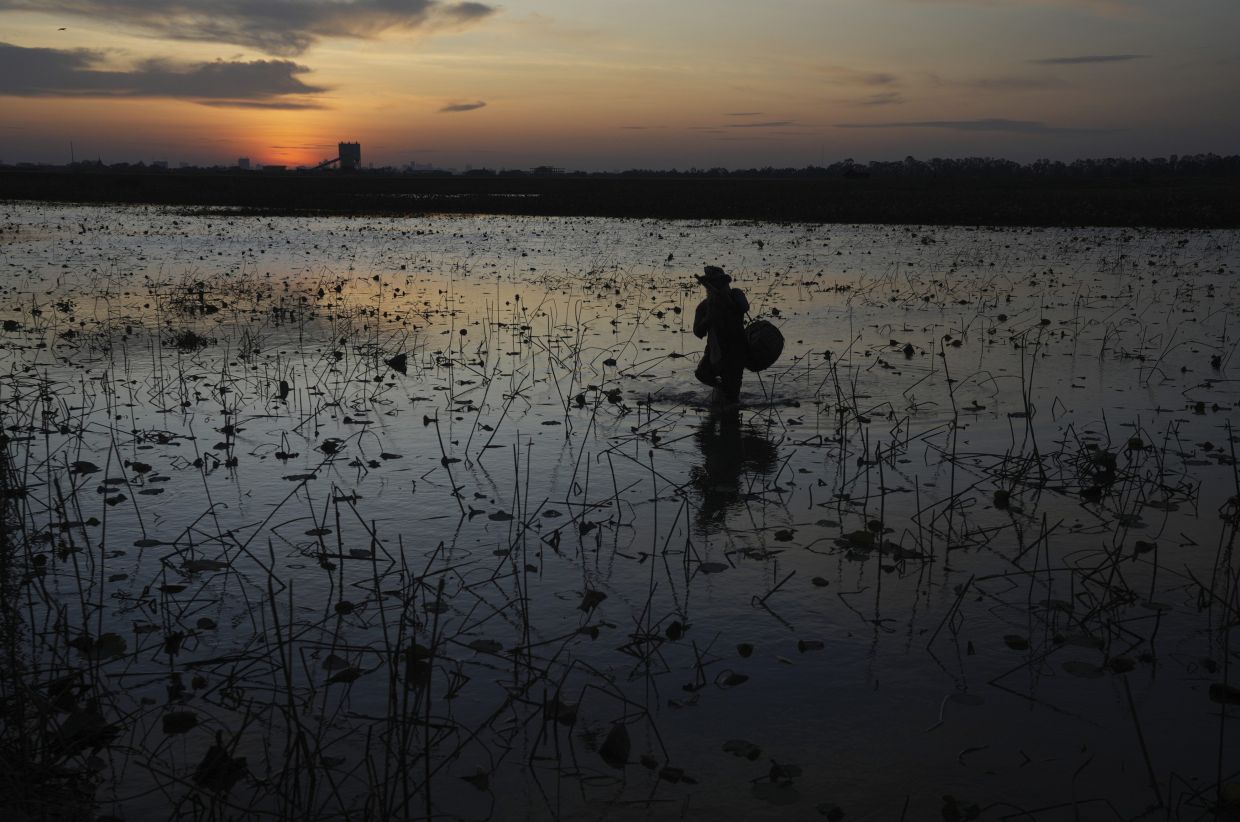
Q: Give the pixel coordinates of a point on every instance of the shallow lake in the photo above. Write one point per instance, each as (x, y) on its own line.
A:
(430, 517)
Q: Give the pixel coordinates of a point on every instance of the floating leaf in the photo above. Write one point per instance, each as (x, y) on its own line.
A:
(480, 779)
(673, 775)
(1082, 640)
(195, 565)
(398, 363)
(109, 645)
(1224, 694)
(345, 676)
(486, 646)
(218, 771)
(179, 722)
(1016, 642)
(863, 540)
(590, 600)
(1120, 665)
(615, 748)
(86, 730)
(742, 748)
(712, 567)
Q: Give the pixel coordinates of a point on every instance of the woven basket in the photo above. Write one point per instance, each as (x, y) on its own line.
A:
(766, 343)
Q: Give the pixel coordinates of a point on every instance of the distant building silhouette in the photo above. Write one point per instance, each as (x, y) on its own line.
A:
(350, 156)
(243, 163)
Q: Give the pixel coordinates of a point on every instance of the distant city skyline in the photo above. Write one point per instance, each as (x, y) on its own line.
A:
(603, 86)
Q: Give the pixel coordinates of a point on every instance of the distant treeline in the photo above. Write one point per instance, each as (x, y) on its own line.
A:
(966, 167)
(1200, 191)
(985, 167)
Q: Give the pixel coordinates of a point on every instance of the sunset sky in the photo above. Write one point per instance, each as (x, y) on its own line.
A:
(594, 85)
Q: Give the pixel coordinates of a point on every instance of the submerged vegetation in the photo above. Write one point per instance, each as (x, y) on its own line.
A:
(326, 518)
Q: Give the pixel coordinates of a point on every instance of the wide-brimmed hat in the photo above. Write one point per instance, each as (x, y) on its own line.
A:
(714, 274)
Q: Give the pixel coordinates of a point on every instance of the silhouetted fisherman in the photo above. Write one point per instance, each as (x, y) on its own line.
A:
(720, 318)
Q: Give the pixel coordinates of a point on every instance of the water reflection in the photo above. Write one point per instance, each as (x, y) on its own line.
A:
(734, 454)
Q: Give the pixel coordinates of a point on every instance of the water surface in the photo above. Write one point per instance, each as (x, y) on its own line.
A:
(429, 517)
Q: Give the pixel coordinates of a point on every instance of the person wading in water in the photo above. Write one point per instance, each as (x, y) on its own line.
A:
(720, 318)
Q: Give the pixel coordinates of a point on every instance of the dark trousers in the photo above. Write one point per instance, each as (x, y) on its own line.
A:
(726, 377)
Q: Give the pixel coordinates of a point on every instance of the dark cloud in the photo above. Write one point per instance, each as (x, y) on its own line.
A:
(991, 124)
(846, 75)
(766, 124)
(1020, 83)
(454, 107)
(879, 78)
(467, 12)
(278, 105)
(887, 98)
(278, 27)
(1088, 58)
(41, 72)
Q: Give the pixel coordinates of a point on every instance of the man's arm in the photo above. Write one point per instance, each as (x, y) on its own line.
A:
(701, 319)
